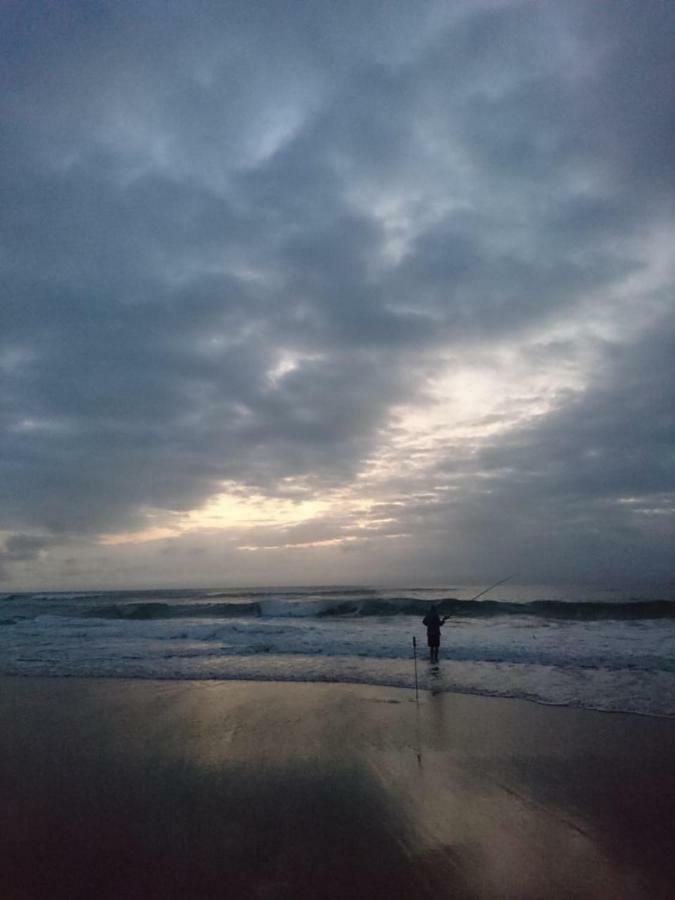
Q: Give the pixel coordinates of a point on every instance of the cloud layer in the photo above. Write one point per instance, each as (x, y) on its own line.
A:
(410, 259)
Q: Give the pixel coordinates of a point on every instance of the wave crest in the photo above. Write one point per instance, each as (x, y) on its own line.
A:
(396, 606)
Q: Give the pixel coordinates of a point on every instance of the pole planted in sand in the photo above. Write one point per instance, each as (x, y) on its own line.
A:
(417, 696)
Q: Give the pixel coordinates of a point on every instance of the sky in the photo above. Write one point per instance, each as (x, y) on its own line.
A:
(318, 292)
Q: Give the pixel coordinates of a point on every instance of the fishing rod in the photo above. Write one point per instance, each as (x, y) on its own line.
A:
(417, 696)
(417, 708)
(492, 586)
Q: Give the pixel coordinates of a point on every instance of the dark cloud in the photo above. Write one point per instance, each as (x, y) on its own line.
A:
(587, 490)
(19, 548)
(234, 241)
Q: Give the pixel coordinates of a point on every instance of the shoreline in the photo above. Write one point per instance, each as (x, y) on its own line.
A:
(344, 681)
(186, 788)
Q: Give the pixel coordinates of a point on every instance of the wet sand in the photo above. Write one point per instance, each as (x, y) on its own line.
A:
(120, 789)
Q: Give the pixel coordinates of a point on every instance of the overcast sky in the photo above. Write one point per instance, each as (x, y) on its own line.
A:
(336, 292)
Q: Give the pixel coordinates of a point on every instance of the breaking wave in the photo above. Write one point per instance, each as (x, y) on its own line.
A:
(281, 607)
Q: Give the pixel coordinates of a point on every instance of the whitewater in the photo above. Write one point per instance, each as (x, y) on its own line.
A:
(577, 646)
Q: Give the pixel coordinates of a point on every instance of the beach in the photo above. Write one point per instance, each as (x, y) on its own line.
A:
(132, 788)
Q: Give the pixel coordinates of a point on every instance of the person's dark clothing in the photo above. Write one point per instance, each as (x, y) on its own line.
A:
(433, 622)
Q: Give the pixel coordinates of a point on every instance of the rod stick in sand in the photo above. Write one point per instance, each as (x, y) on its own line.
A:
(417, 696)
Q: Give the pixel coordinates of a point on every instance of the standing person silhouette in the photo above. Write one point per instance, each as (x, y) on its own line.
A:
(433, 623)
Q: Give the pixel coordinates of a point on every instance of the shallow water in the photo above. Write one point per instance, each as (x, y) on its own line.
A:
(592, 648)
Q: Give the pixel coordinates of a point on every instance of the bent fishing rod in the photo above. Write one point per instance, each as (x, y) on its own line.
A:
(492, 586)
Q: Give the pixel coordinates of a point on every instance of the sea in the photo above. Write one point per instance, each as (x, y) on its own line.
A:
(592, 647)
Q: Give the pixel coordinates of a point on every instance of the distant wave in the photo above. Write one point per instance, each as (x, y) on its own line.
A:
(279, 607)
(298, 593)
(172, 610)
(549, 609)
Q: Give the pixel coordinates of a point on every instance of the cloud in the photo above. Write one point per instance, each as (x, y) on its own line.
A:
(235, 244)
(19, 548)
(588, 489)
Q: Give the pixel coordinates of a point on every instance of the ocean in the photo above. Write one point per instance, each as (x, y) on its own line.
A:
(591, 647)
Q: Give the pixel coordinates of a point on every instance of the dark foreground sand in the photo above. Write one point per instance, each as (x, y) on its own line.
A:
(119, 789)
